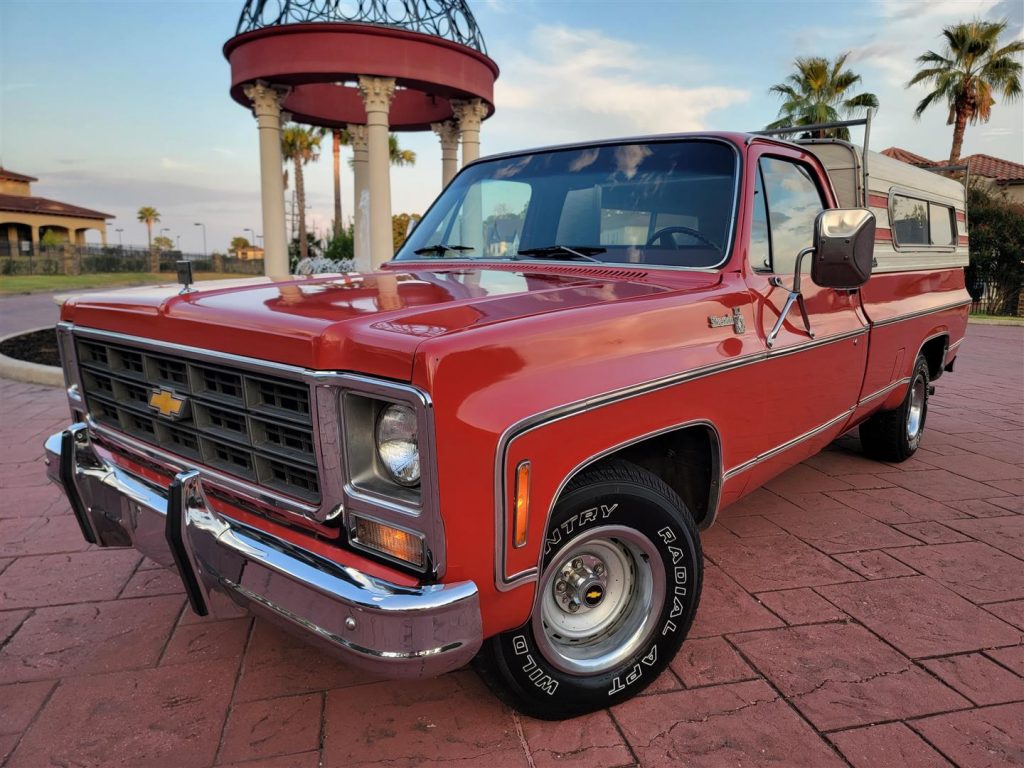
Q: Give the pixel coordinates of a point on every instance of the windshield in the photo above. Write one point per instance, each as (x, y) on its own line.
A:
(665, 203)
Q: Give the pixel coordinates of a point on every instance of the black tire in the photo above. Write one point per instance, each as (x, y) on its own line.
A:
(627, 516)
(890, 435)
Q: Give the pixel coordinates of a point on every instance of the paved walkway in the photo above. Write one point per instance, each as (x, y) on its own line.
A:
(26, 312)
(854, 613)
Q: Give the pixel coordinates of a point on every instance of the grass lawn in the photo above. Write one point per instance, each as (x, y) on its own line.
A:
(48, 283)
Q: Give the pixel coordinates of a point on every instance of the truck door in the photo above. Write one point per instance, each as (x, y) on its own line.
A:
(809, 385)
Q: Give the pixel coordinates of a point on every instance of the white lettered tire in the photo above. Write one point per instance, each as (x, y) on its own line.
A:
(618, 590)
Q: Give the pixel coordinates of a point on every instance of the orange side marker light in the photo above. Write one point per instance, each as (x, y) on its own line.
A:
(521, 516)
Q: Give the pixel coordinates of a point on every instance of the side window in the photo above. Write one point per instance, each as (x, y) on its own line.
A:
(940, 224)
(918, 222)
(794, 202)
(910, 220)
(760, 242)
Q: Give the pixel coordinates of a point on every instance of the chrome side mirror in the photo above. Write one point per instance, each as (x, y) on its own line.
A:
(844, 247)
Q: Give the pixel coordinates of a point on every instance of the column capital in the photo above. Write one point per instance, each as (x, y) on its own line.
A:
(448, 132)
(266, 99)
(469, 113)
(377, 93)
(357, 137)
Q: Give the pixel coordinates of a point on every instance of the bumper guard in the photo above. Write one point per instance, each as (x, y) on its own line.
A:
(388, 629)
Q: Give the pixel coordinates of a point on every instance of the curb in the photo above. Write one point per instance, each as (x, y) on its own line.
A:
(29, 373)
(1013, 322)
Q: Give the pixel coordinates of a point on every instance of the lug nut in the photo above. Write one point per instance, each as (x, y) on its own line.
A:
(573, 607)
(577, 563)
(599, 569)
(561, 586)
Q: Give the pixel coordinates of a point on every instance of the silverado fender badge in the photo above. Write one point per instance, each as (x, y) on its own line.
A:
(735, 320)
(168, 404)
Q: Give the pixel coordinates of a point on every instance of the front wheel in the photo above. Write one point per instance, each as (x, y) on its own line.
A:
(895, 435)
(618, 590)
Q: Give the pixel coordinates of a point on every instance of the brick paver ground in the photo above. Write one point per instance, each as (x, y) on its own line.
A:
(854, 613)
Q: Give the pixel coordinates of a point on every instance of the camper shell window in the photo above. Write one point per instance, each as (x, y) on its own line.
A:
(919, 222)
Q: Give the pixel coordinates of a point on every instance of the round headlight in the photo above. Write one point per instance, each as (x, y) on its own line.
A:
(397, 444)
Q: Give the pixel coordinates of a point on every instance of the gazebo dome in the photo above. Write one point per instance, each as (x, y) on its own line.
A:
(447, 19)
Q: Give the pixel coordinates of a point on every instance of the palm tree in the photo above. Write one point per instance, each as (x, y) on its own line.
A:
(819, 91)
(149, 216)
(341, 138)
(301, 145)
(399, 157)
(968, 73)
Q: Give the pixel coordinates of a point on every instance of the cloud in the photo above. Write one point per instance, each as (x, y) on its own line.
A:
(171, 164)
(572, 84)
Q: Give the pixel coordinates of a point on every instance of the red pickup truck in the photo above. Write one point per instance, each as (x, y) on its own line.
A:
(503, 444)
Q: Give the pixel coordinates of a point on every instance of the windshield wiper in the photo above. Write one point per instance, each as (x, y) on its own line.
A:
(584, 252)
(440, 249)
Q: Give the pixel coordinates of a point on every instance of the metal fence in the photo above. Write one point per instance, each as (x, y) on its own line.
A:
(89, 259)
(992, 297)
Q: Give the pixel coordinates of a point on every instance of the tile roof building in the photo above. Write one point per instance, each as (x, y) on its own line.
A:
(25, 220)
(1004, 177)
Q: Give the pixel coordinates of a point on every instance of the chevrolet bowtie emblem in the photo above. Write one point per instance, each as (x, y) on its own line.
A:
(168, 404)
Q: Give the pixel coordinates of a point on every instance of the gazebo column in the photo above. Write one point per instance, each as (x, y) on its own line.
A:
(266, 105)
(448, 133)
(377, 93)
(470, 114)
(35, 240)
(361, 213)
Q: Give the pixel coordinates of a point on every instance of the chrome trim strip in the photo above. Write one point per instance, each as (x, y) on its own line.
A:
(787, 445)
(326, 389)
(883, 391)
(955, 344)
(920, 313)
(389, 629)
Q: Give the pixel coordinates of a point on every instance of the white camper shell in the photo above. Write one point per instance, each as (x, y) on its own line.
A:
(921, 215)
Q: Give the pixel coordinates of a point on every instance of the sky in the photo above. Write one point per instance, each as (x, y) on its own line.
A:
(116, 105)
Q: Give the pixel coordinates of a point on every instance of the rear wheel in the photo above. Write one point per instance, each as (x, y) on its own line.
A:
(895, 435)
(618, 590)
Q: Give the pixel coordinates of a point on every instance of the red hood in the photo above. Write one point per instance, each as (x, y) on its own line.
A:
(370, 323)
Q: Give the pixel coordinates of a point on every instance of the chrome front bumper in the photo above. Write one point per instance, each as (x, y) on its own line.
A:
(386, 628)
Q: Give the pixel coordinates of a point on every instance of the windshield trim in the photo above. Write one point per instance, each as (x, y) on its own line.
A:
(669, 139)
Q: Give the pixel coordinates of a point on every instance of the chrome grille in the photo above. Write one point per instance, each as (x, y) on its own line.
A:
(255, 427)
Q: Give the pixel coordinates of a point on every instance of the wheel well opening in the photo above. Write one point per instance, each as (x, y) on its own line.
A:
(934, 351)
(687, 460)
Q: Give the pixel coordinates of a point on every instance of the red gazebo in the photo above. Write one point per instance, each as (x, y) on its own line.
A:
(371, 67)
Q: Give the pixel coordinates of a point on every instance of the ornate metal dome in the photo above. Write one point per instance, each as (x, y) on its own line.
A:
(448, 19)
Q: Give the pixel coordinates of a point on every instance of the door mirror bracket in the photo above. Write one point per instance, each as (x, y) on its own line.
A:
(795, 297)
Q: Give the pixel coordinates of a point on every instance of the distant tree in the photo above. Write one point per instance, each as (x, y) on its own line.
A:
(820, 91)
(341, 138)
(399, 156)
(163, 243)
(150, 216)
(401, 226)
(967, 74)
(238, 243)
(997, 242)
(301, 145)
(341, 246)
(50, 239)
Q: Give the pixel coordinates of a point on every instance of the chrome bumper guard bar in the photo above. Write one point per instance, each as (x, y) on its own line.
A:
(388, 629)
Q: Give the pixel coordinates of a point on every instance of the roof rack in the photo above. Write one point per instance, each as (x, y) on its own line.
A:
(865, 121)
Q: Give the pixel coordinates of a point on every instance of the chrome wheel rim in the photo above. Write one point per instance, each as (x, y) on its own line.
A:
(915, 413)
(600, 599)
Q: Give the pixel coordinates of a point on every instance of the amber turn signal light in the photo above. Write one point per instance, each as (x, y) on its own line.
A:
(521, 516)
(394, 542)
